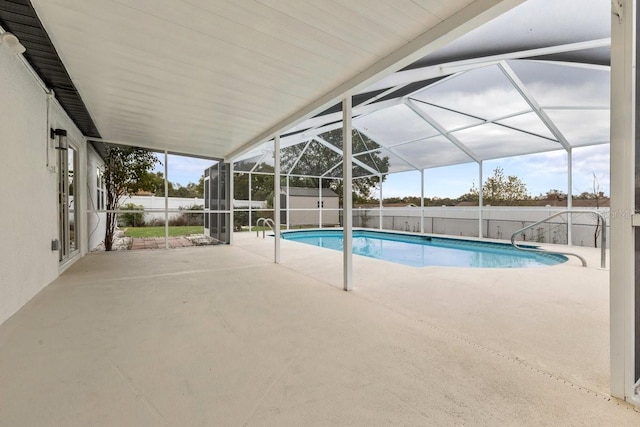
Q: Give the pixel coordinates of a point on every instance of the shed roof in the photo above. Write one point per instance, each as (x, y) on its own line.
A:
(308, 192)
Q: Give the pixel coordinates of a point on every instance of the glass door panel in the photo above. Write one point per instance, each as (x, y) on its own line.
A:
(67, 212)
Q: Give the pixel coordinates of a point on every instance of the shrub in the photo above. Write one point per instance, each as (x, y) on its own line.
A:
(240, 219)
(261, 214)
(155, 222)
(189, 218)
(131, 219)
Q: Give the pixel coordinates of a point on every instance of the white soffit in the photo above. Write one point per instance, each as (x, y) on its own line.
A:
(212, 78)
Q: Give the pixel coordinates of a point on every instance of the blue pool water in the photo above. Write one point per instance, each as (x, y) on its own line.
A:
(421, 251)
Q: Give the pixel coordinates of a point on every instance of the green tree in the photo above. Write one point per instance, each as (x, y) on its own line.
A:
(500, 189)
(125, 171)
(555, 194)
(261, 186)
(598, 195)
(319, 160)
(470, 196)
(179, 191)
(154, 182)
(134, 218)
(196, 190)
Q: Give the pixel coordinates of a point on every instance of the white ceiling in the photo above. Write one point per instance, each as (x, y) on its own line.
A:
(212, 78)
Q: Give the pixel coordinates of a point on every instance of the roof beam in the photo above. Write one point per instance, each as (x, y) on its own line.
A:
(155, 149)
(382, 95)
(578, 107)
(524, 92)
(253, 168)
(455, 141)
(441, 70)
(483, 121)
(443, 80)
(382, 147)
(331, 169)
(472, 16)
(341, 153)
(293, 166)
(403, 158)
(360, 110)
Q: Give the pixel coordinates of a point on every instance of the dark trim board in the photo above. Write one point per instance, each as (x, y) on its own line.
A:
(20, 18)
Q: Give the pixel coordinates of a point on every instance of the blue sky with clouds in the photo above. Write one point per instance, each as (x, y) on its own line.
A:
(183, 169)
(540, 172)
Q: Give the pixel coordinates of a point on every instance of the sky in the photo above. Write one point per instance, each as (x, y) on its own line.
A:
(183, 169)
(540, 173)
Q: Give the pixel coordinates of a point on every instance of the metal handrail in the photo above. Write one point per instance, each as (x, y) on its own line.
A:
(264, 221)
(603, 236)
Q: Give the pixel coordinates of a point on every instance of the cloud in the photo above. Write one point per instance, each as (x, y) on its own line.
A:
(183, 169)
(590, 161)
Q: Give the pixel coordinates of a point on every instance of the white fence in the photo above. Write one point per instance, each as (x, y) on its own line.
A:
(498, 222)
(244, 204)
(154, 206)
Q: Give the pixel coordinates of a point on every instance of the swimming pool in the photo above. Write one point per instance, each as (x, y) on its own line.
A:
(421, 250)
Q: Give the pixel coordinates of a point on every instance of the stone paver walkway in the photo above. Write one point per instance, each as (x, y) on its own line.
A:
(158, 242)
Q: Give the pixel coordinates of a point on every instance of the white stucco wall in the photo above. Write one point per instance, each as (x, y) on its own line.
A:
(27, 263)
(96, 221)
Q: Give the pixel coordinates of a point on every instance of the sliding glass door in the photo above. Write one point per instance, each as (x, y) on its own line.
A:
(67, 212)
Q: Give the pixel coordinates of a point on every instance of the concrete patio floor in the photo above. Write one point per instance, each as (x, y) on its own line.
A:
(158, 243)
(222, 336)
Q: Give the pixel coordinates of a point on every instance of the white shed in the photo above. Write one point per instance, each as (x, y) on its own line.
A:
(308, 205)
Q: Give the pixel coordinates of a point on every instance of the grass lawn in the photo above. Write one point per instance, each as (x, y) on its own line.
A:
(253, 229)
(159, 231)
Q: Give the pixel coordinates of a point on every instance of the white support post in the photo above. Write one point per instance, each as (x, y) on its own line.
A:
(569, 196)
(320, 201)
(622, 280)
(82, 174)
(480, 201)
(347, 202)
(232, 225)
(166, 200)
(276, 198)
(421, 200)
(380, 208)
(250, 203)
(288, 204)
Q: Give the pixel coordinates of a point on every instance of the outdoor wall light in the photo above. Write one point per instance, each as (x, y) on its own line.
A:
(12, 41)
(62, 138)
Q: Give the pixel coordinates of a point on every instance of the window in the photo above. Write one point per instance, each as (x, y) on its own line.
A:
(100, 190)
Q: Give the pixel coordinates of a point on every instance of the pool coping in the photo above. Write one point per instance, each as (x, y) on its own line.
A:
(539, 247)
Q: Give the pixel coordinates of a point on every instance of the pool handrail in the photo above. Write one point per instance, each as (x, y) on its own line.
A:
(264, 221)
(603, 236)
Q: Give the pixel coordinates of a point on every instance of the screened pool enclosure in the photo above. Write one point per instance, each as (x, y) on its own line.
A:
(490, 108)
